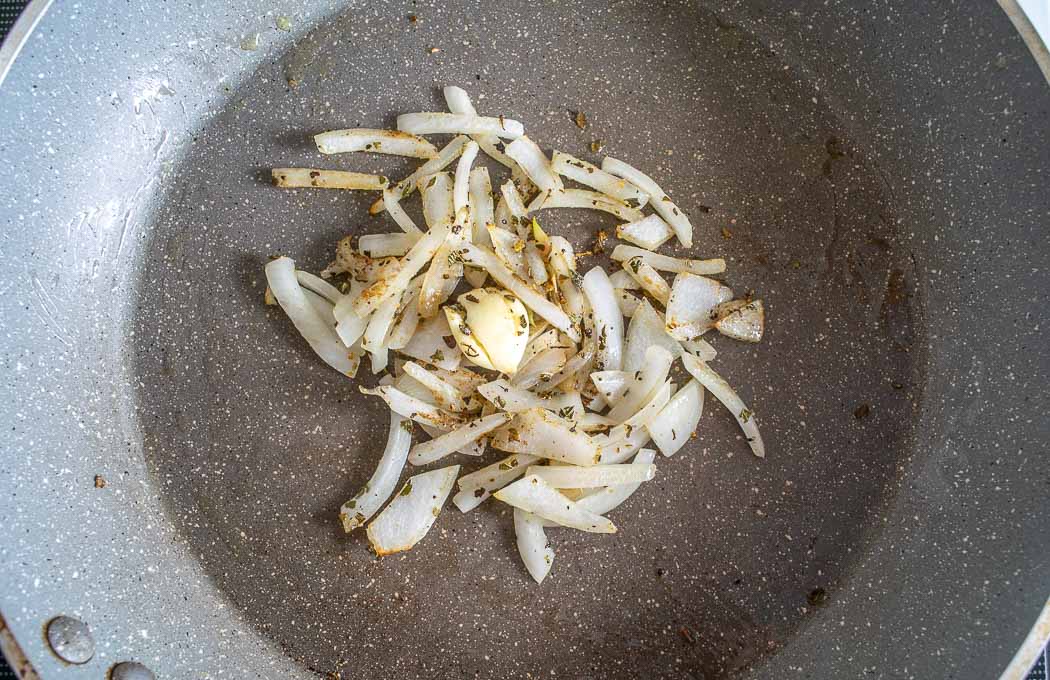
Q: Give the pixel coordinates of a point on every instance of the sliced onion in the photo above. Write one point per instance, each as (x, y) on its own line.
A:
(531, 159)
(573, 477)
(581, 198)
(458, 101)
(534, 495)
(545, 339)
(374, 141)
(532, 543)
(393, 206)
(507, 397)
(410, 515)
(281, 278)
(458, 123)
(608, 321)
(701, 348)
(645, 414)
(439, 447)
(648, 379)
(649, 233)
(595, 422)
(612, 496)
(299, 178)
(646, 329)
(612, 384)
(536, 266)
(406, 322)
(594, 177)
(515, 206)
(479, 485)
(627, 302)
(692, 300)
(541, 433)
(481, 215)
(387, 245)
(415, 409)
(434, 344)
(725, 394)
(445, 156)
(395, 283)
(622, 280)
(562, 256)
(746, 323)
(506, 246)
(658, 199)
(446, 395)
(461, 186)
(677, 421)
(540, 369)
(438, 204)
(664, 263)
(356, 511)
(649, 279)
(318, 285)
(614, 452)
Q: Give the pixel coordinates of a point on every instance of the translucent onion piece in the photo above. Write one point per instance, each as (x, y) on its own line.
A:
(541, 433)
(533, 547)
(461, 187)
(646, 329)
(439, 447)
(415, 409)
(540, 370)
(393, 206)
(746, 323)
(649, 378)
(446, 395)
(594, 177)
(458, 101)
(581, 198)
(677, 421)
(509, 248)
(438, 206)
(618, 451)
(612, 384)
(658, 199)
(395, 282)
(479, 485)
(701, 348)
(534, 495)
(664, 263)
(514, 203)
(692, 300)
(299, 178)
(572, 477)
(356, 511)
(387, 245)
(623, 280)
(645, 414)
(627, 302)
(507, 397)
(608, 321)
(545, 339)
(562, 256)
(745, 417)
(649, 233)
(459, 123)
(434, 344)
(410, 515)
(649, 279)
(281, 278)
(481, 215)
(531, 159)
(536, 266)
(374, 141)
(612, 496)
(445, 156)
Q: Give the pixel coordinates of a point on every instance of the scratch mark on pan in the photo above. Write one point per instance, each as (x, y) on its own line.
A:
(46, 309)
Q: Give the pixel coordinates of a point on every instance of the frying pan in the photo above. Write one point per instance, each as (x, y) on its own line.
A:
(174, 455)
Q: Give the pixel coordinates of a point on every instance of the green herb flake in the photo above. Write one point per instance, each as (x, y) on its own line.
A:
(407, 490)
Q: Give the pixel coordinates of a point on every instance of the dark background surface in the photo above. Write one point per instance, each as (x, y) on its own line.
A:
(9, 11)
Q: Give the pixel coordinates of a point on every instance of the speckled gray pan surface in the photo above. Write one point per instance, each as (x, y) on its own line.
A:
(880, 173)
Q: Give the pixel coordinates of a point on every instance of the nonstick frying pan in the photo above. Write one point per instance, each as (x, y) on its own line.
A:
(174, 455)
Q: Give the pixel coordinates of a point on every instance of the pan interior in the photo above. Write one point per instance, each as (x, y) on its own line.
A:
(254, 442)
